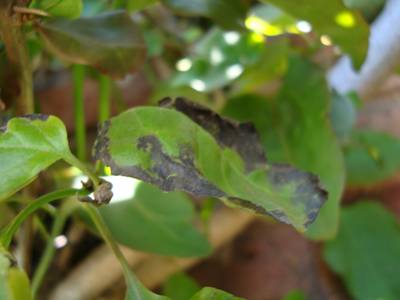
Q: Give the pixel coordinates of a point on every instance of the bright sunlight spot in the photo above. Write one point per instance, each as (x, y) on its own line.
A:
(325, 40)
(234, 71)
(231, 37)
(184, 64)
(60, 241)
(345, 19)
(260, 26)
(304, 26)
(216, 56)
(198, 85)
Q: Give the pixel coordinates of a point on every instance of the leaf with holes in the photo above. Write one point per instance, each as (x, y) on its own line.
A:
(184, 146)
(110, 42)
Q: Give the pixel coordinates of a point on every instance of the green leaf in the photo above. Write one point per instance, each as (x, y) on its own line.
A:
(229, 14)
(110, 42)
(214, 294)
(180, 287)
(184, 146)
(14, 283)
(29, 145)
(136, 5)
(369, 8)
(343, 115)
(60, 8)
(295, 129)
(163, 222)
(366, 252)
(345, 27)
(295, 295)
(136, 291)
(371, 157)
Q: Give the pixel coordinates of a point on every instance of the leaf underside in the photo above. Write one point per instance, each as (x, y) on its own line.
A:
(185, 146)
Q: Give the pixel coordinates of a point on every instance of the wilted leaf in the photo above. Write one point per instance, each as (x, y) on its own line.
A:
(29, 145)
(229, 14)
(345, 27)
(60, 8)
(295, 129)
(214, 294)
(110, 42)
(164, 147)
(165, 221)
(366, 252)
(371, 157)
(180, 287)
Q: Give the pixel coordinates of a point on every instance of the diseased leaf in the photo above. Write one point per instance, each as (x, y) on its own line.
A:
(60, 8)
(295, 129)
(110, 42)
(366, 252)
(165, 221)
(29, 145)
(345, 27)
(214, 158)
(371, 157)
(214, 294)
(229, 14)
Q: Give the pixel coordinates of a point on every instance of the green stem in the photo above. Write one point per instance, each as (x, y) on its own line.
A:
(78, 78)
(104, 98)
(48, 254)
(106, 234)
(8, 233)
(74, 161)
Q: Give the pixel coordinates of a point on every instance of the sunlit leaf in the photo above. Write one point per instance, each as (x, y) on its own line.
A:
(345, 27)
(366, 251)
(215, 157)
(110, 42)
(165, 221)
(29, 145)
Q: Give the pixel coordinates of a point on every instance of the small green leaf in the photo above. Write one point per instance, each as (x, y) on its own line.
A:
(371, 157)
(184, 146)
(345, 27)
(14, 283)
(110, 42)
(295, 129)
(214, 294)
(158, 222)
(366, 252)
(29, 145)
(229, 14)
(180, 287)
(60, 8)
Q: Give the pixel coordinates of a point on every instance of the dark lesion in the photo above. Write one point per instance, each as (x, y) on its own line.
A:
(33, 117)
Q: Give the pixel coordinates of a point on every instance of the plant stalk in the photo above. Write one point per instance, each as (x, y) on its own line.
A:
(78, 78)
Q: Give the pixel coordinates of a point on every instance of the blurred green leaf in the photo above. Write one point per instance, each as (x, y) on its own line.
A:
(371, 157)
(366, 252)
(14, 283)
(185, 146)
(180, 287)
(136, 5)
(295, 295)
(214, 294)
(345, 27)
(29, 145)
(60, 8)
(295, 129)
(110, 42)
(229, 14)
(157, 222)
(369, 8)
(343, 115)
